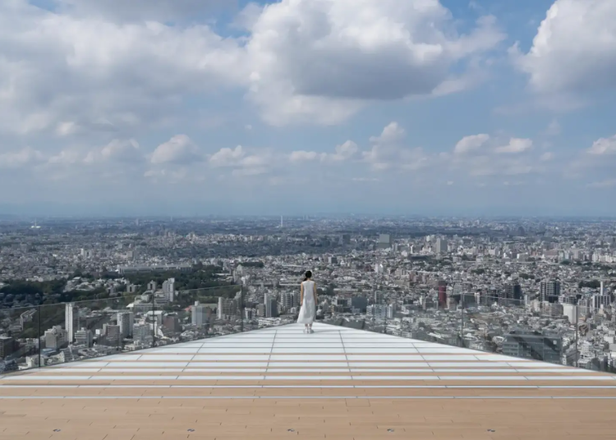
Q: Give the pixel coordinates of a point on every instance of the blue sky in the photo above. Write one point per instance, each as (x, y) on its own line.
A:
(367, 106)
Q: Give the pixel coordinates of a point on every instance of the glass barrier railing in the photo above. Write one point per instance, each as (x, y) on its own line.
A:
(512, 327)
(20, 338)
(519, 328)
(53, 334)
(58, 333)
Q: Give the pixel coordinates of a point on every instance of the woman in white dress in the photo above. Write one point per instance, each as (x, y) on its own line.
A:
(308, 311)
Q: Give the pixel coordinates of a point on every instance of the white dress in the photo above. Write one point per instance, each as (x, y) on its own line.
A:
(308, 310)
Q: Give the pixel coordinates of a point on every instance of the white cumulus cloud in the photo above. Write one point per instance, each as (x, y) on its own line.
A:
(226, 157)
(321, 60)
(574, 49)
(341, 153)
(515, 146)
(391, 133)
(68, 74)
(603, 146)
(117, 150)
(20, 158)
(471, 143)
(390, 152)
(180, 149)
(303, 156)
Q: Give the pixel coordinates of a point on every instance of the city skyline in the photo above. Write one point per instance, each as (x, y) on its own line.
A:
(294, 107)
(91, 288)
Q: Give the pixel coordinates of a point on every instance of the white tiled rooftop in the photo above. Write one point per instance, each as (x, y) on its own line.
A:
(285, 357)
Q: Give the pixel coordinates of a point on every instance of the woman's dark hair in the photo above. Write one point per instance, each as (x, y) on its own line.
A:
(308, 275)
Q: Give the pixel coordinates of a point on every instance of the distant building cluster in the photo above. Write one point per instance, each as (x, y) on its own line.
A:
(525, 288)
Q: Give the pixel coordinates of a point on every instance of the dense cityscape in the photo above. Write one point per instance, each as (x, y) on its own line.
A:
(532, 288)
(307, 219)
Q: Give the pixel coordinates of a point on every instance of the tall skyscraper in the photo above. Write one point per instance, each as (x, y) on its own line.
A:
(549, 291)
(288, 300)
(271, 307)
(126, 322)
(69, 322)
(169, 289)
(511, 295)
(391, 311)
(442, 294)
(516, 291)
(441, 246)
(199, 315)
(601, 288)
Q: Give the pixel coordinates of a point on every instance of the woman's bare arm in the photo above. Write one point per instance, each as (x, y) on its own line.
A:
(301, 293)
(316, 301)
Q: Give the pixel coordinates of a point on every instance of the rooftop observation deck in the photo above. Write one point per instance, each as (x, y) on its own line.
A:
(279, 383)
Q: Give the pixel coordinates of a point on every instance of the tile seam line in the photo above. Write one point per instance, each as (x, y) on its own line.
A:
(346, 357)
(269, 358)
(192, 358)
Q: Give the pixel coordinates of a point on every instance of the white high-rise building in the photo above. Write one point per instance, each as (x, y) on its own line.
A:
(288, 300)
(441, 246)
(169, 289)
(69, 322)
(199, 314)
(391, 311)
(56, 337)
(126, 322)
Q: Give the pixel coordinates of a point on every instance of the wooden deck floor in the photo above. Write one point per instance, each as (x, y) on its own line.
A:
(279, 383)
